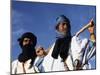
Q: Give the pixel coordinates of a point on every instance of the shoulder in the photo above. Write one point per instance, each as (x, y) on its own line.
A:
(78, 38)
(79, 41)
(14, 62)
(75, 38)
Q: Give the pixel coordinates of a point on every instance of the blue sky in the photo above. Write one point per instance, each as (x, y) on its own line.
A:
(40, 19)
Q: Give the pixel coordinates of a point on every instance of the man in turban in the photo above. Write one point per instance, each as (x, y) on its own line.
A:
(25, 62)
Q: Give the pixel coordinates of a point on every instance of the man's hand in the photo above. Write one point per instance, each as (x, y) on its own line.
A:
(91, 27)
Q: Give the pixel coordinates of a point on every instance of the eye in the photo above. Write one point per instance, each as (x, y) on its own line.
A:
(38, 51)
(63, 23)
(26, 40)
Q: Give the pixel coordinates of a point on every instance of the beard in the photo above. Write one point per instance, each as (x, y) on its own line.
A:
(28, 52)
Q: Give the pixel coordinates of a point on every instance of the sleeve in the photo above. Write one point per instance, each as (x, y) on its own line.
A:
(78, 47)
(14, 67)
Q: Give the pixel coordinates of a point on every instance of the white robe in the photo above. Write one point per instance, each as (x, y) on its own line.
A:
(76, 52)
(51, 64)
(77, 48)
(17, 67)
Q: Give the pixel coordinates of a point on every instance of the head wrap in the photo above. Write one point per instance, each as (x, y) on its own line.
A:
(62, 19)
